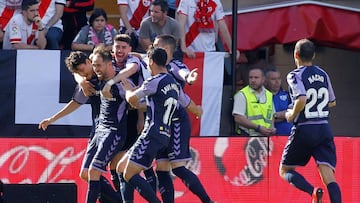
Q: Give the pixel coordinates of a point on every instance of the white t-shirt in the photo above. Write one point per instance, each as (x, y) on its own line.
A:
(205, 41)
(18, 31)
(137, 11)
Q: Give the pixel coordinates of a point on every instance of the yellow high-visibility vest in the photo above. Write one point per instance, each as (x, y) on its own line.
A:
(256, 112)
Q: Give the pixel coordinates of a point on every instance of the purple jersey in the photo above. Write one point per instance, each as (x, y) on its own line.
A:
(178, 70)
(137, 78)
(112, 110)
(94, 101)
(162, 95)
(314, 83)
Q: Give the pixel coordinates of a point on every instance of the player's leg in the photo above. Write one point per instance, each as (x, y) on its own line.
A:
(127, 190)
(84, 171)
(166, 186)
(293, 177)
(191, 181)
(141, 156)
(327, 175)
(296, 153)
(325, 156)
(151, 178)
(180, 154)
(106, 150)
(131, 175)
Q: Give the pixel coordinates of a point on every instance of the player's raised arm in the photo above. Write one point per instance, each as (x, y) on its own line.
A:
(69, 108)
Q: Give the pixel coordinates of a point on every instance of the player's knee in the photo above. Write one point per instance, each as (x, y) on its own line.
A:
(84, 175)
(163, 166)
(327, 174)
(127, 176)
(282, 171)
(121, 165)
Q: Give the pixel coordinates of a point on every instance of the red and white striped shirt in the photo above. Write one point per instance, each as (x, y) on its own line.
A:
(137, 11)
(7, 12)
(47, 10)
(196, 39)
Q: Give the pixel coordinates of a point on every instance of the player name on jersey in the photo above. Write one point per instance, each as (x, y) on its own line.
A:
(316, 77)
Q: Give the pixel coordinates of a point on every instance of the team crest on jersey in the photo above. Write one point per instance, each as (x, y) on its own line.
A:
(283, 97)
(146, 3)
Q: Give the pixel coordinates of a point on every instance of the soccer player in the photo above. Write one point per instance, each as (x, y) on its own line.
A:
(312, 95)
(179, 147)
(128, 67)
(78, 63)
(110, 131)
(162, 94)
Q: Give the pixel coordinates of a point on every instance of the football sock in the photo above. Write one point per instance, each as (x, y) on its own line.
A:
(192, 182)
(299, 181)
(127, 190)
(115, 179)
(144, 188)
(151, 178)
(166, 186)
(334, 192)
(93, 191)
(107, 191)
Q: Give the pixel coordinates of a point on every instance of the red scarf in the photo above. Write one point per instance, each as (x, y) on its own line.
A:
(203, 22)
(204, 10)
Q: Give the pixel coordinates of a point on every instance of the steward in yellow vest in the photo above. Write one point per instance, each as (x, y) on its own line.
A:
(253, 107)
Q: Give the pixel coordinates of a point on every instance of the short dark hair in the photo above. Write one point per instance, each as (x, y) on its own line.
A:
(74, 60)
(305, 49)
(123, 38)
(25, 4)
(158, 55)
(162, 3)
(270, 68)
(257, 68)
(102, 51)
(167, 39)
(96, 13)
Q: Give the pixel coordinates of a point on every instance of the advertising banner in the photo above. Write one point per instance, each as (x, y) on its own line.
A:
(232, 170)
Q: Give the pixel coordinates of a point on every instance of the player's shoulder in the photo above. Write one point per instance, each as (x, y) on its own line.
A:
(178, 63)
(320, 69)
(132, 59)
(154, 78)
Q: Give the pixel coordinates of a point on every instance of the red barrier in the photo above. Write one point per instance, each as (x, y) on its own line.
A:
(243, 173)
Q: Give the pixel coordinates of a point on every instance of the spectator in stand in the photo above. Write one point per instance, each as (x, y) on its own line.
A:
(199, 22)
(157, 23)
(74, 18)
(7, 10)
(25, 30)
(98, 32)
(51, 12)
(281, 99)
(132, 12)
